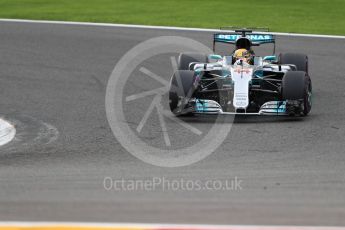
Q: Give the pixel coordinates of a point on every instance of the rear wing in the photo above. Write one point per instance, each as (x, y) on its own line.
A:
(255, 38)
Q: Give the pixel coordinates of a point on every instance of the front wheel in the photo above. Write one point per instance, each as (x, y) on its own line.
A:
(181, 87)
(296, 85)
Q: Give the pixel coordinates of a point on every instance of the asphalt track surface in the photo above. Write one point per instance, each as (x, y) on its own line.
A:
(52, 83)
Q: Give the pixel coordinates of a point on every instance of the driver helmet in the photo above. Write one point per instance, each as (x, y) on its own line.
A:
(242, 54)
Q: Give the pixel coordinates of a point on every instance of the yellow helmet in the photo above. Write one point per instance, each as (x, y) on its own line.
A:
(241, 53)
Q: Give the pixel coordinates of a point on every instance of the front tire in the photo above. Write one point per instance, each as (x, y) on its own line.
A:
(181, 86)
(296, 85)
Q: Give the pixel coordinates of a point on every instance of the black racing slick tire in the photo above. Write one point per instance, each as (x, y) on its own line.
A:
(181, 86)
(299, 60)
(185, 59)
(296, 85)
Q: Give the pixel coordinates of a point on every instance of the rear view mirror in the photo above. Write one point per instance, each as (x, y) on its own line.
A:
(270, 58)
(214, 57)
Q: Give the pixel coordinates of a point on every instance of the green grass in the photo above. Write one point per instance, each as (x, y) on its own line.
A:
(299, 16)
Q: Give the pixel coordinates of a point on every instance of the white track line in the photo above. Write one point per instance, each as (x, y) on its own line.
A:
(7, 132)
(160, 226)
(158, 27)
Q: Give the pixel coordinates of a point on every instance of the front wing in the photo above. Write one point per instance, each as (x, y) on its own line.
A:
(202, 106)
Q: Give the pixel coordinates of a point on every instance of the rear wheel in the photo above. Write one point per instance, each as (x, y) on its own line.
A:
(186, 58)
(299, 60)
(181, 87)
(296, 85)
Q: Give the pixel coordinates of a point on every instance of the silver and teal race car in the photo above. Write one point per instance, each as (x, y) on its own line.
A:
(214, 84)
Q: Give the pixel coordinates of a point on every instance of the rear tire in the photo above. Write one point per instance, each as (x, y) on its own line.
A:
(296, 85)
(186, 58)
(181, 86)
(300, 60)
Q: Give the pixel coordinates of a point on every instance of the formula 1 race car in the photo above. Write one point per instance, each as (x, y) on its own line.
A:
(214, 84)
